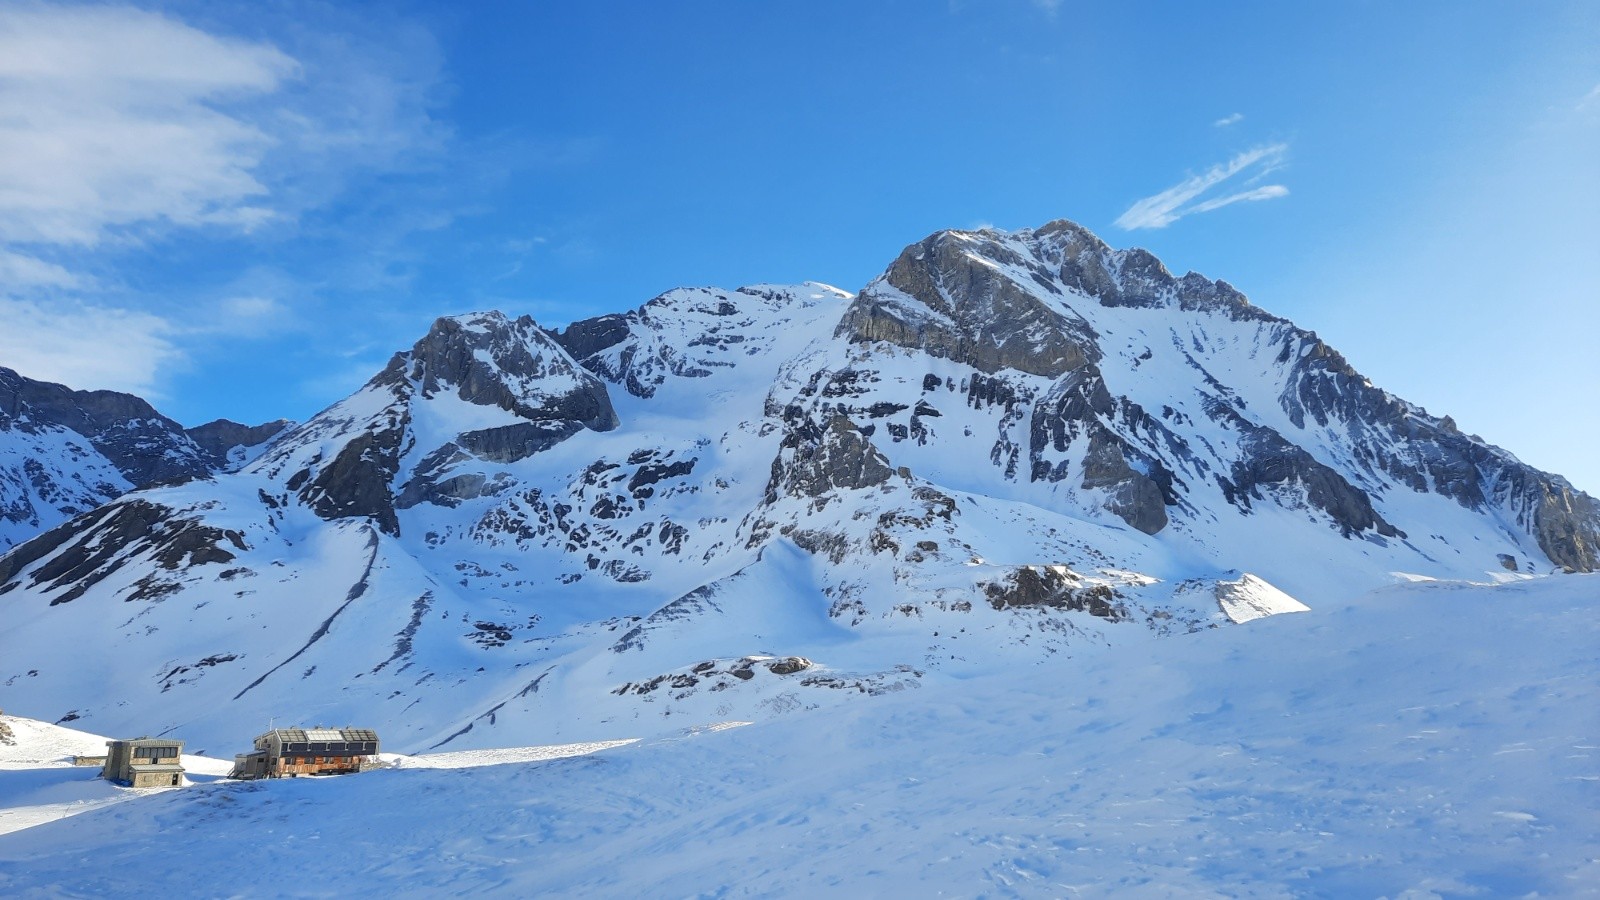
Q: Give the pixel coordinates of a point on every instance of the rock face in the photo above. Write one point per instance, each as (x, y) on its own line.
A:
(231, 442)
(487, 359)
(120, 533)
(1030, 303)
(936, 299)
(819, 460)
(144, 445)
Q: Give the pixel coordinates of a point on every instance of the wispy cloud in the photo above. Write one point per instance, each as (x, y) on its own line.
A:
(121, 126)
(108, 119)
(22, 273)
(1185, 197)
(1225, 121)
(83, 345)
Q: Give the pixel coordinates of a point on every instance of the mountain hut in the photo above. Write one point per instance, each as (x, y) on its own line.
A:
(144, 762)
(290, 752)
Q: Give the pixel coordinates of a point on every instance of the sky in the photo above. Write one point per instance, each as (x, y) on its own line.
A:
(242, 210)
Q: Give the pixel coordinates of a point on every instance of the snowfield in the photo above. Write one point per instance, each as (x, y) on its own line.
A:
(1433, 739)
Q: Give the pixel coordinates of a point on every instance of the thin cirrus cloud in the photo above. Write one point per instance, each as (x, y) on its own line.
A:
(1190, 196)
(1225, 121)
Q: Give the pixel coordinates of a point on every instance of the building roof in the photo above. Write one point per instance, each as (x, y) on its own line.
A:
(301, 735)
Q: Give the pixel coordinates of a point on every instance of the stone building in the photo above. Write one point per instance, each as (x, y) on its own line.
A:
(289, 752)
(144, 762)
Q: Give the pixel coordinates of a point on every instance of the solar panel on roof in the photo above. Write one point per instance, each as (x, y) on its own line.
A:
(323, 734)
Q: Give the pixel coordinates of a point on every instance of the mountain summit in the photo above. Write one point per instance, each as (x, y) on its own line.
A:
(736, 503)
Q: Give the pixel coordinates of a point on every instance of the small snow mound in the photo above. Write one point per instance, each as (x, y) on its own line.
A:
(1251, 598)
(1411, 578)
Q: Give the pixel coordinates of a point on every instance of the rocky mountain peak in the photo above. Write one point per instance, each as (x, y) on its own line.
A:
(143, 444)
(233, 444)
(402, 438)
(490, 359)
(965, 296)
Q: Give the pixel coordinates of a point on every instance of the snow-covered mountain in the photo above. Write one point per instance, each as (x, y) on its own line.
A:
(736, 503)
(64, 452)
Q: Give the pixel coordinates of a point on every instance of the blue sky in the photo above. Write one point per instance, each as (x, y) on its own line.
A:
(243, 209)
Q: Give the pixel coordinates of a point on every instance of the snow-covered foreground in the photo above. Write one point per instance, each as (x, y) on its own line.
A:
(1430, 739)
(39, 783)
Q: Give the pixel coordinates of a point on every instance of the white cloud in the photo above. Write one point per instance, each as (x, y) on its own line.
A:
(1225, 121)
(20, 272)
(110, 117)
(1172, 204)
(86, 347)
(1267, 192)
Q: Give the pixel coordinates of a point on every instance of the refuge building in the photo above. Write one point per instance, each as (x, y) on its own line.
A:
(144, 762)
(289, 752)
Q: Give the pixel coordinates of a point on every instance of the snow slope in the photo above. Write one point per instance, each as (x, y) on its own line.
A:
(1432, 739)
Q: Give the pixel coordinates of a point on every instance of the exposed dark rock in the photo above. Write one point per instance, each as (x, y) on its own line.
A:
(1054, 587)
(788, 665)
(511, 443)
(815, 460)
(1431, 454)
(357, 482)
(144, 445)
(490, 360)
(629, 350)
(1077, 408)
(653, 473)
(453, 491)
(590, 336)
(1131, 496)
(222, 435)
(83, 552)
(939, 298)
(1269, 459)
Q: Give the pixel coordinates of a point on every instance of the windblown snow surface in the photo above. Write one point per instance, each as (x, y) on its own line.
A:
(1431, 739)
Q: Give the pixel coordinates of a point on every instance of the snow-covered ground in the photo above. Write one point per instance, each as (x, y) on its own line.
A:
(39, 783)
(1433, 739)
